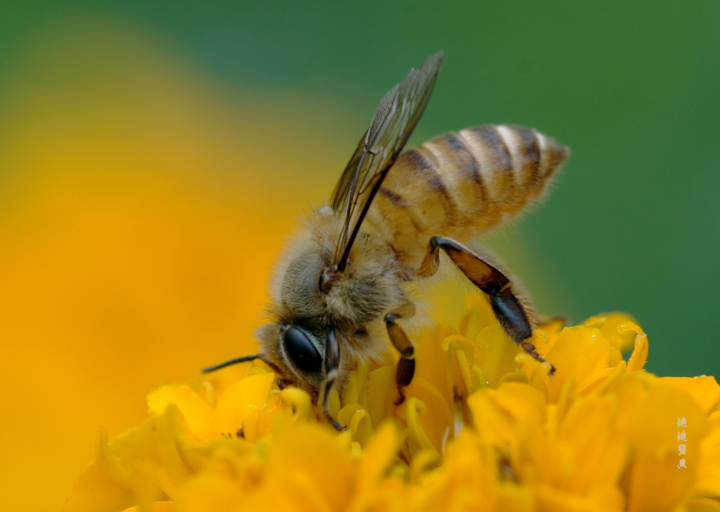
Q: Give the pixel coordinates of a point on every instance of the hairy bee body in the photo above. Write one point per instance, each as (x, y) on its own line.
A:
(462, 184)
(459, 184)
(342, 291)
(372, 285)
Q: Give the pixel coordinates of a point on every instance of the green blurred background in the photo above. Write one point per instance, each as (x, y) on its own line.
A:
(153, 155)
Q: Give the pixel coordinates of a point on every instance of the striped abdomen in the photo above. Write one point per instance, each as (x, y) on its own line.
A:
(462, 184)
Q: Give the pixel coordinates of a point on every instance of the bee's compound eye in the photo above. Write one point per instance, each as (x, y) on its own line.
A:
(301, 351)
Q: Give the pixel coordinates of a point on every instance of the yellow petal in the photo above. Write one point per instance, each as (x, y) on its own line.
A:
(556, 500)
(299, 403)
(216, 492)
(196, 411)
(478, 315)
(233, 405)
(104, 485)
(581, 353)
(640, 351)
(495, 353)
(598, 452)
(551, 328)
(376, 459)
(355, 390)
(466, 481)
(509, 416)
(438, 425)
(423, 461)
(515, 498)
(417, 434)
(648, 412)
(157, 506)
(703, 505)
(708, 483)
(310, 466)
(460, 351)
(705, 390)
(357, 420)
(179, 461)
(382, 393)
(430, 360)
(608, 323)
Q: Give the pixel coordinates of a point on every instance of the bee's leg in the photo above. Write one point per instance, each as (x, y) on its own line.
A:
(403, 377)
(406, 366)
(507, 308)
(332, 361)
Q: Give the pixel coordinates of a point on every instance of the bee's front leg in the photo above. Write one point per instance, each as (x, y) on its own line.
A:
(507, 308)
(406, 365)
(332, 362)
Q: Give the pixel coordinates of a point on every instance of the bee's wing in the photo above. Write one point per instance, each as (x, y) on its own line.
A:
(391, 126)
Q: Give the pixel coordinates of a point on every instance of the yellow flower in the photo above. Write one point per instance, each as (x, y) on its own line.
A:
(483, 428)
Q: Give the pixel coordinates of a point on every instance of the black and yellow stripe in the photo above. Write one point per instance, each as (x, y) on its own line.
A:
(462, 184)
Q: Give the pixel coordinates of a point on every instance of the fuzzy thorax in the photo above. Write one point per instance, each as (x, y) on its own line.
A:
(369, 287)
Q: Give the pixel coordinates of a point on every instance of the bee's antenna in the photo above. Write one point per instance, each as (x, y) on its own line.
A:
(237, 360)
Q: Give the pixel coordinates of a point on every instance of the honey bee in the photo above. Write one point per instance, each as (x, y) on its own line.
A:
(341, 290)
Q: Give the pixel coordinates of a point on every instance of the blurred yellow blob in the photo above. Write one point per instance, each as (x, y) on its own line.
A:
(141, 209)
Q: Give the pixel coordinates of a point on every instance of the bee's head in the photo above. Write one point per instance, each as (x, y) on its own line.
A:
(301, 355)
(305, 355)
(296, 352)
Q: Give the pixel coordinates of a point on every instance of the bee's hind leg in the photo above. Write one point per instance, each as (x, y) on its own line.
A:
(406, 365)
(507, 308)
